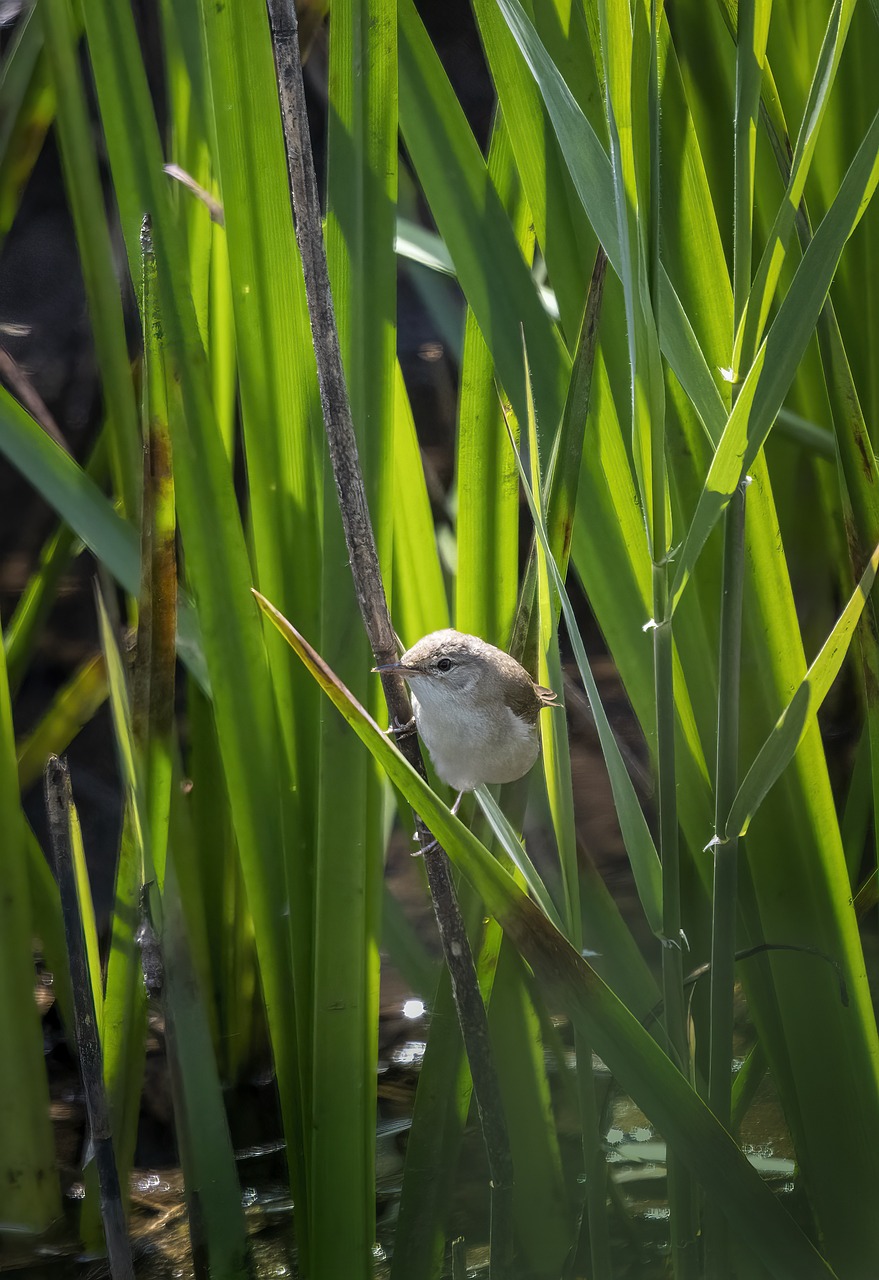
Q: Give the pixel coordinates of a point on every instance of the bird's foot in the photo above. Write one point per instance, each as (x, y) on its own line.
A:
(423, 849)
(400, 729)
(434, 844)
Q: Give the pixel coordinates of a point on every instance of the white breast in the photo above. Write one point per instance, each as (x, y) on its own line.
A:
(470, 748)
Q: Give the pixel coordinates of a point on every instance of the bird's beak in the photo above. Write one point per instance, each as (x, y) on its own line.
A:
(391, 668)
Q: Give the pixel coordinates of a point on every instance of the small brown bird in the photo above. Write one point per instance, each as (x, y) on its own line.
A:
(475, 708)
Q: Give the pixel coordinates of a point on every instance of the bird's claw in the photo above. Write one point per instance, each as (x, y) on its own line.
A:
(423, 849)
(434, 844)
(399, 729)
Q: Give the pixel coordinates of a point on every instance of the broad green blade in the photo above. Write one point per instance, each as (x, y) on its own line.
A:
(80, 503)
(753, 321)
(29, 1193)
(487, 527)
(120, 710)
(471, 220)
(560, 224)
(751, 55)
(155, 661)
(143, 729)
(409, 955)
(557, 775)
(592, 176)
(27, 109)
(562, 482)
(73, 706)
(554, 727)
(70, 491)
(48, 925)
(212, 1188)
(419, 594)
(210, 881)
(780, 746)
(794, 840)
(544, 1227)
(213, 540)
(647, 387)
(124, 1009)
(124, 1006)
(636, 834)
(361, 195)
(516, 852)
(86, 198)
(442, 1103)
(280, 412)
(775, 365)
(36, 600)
(565, 465)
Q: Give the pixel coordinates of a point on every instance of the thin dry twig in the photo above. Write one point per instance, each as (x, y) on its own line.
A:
(26, 393)
(213, 206)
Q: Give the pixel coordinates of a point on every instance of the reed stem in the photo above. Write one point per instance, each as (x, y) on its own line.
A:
(360, 540)
(85, 1018)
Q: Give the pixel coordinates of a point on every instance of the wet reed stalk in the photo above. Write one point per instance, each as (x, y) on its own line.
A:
(726, 852)
(58, 802)
(594, 1163)
(718, 1261)
(679, 1182)
(680, 1187)
(372, 600)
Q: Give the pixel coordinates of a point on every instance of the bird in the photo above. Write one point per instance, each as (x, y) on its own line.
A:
(475, 708)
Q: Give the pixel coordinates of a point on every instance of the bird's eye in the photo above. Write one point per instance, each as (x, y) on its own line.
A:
(444, 664)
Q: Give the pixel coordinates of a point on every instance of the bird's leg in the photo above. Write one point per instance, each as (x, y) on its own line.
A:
(428, 848)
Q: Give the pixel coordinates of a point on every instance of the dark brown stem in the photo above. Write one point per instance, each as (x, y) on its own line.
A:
(373, 606)
(58, 802)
